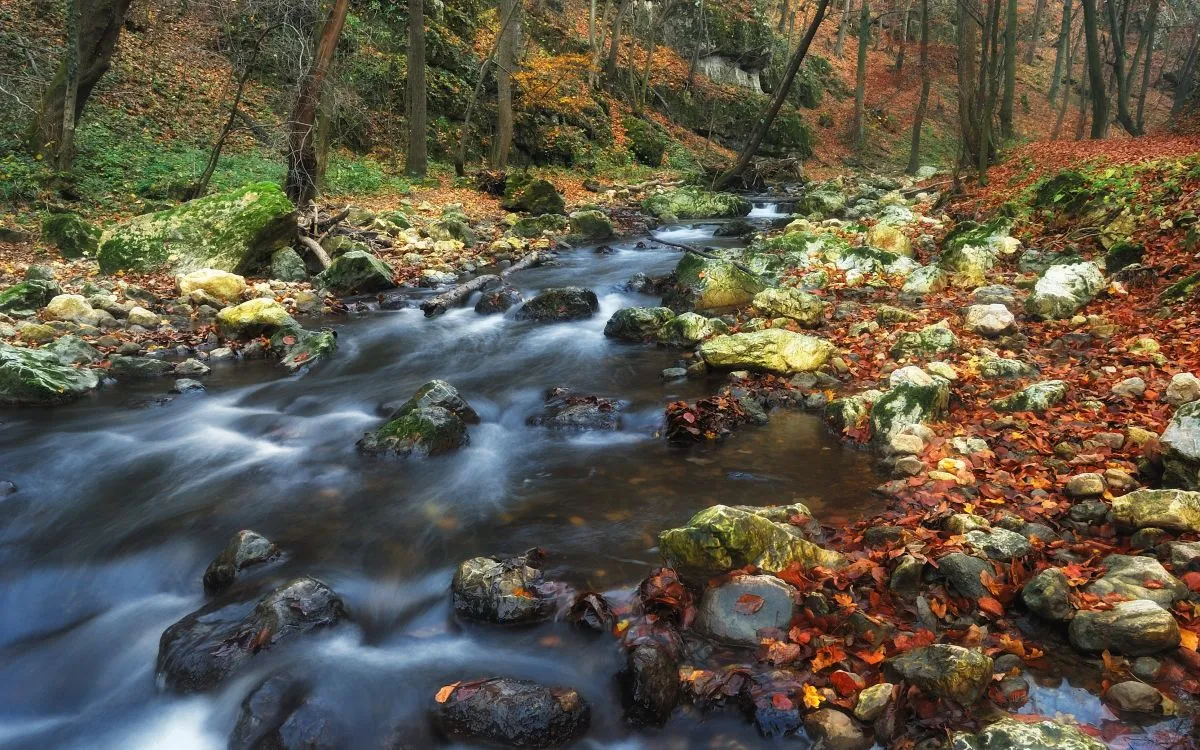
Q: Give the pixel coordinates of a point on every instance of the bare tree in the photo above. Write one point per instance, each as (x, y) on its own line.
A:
(914, 154)
(1120, 74)
(1095, 86)
(416, 161)
(1061, 50)
(1010, 71)
(1148, 32)
(460, 153)
(860, 77)
(1035, 32)
(66, 146)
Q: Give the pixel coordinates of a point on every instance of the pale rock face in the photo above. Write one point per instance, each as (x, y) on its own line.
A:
(1173, 510)
(1181, 439)
(989, 320)
(1063, 290)
(69, 307)
(1184, 389)
(225, 286)
(140, 316)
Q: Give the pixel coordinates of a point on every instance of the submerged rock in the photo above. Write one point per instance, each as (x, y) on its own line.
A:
(735, 611)
(202, 649)
(424, 431)
(1011, 734)
(943, 670)
(499, 300)
(560, 304)
(772, 350)
(510, 712)
(722, 538)
(505, 591)
(298, 348)
(1136, 628)
(264, 710)
(695, 203)
(637, 323)
(244, 550)
(565, 410)
(703, 283)
(1174, 510)
(37, 376)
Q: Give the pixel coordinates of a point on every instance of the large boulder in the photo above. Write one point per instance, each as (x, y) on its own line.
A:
(1173, 510)
(257, 317)
(889, 238)
(735, 611)
(722, 538)
(560, 304)
(232, 231)
(826, 199)
(943, 670)
(806, 309)
(25, 298)
(930, 341)
(1036, 398)
(1012, 734)
(689, 329)
(210, 644)
(505, 591)
(695, 203)
(532, 196)
(771, 350)
(245, 549)
(38, 376)
(590, 226)
(637, 323)
(910, 402)
(357, 272)
(1136, 628)
(287, 265)
(711, 284)
(432, 422)
(71, 234)
(222, 285)
(1181, 448)
(1063, 289)
(511, 713)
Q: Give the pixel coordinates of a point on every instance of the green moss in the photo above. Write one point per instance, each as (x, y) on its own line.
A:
(35, 376)
(298, 348)
(1123, 254)
(710, 284)
(27, 297)
(534, 226)
(532, 195)
(1181, 290)
(695, 203)
(357, 272)
(72, 235)
(637, 323)
(645, 141)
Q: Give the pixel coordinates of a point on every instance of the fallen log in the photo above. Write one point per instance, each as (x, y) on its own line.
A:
(529, 261)
(456, 296)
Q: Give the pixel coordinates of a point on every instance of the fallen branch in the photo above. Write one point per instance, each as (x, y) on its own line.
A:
(529, 261)
(315, 248)
(444, 301)
(329, 224)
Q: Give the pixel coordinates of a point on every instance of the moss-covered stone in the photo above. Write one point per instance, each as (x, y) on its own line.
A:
(710, 284)
(1037, 397)
(560, 304)
(534, 226)
(825, 199)
(232, 231)
(337, 245)
(1181, 290)
(943, 670)
(967, 264)
(257, 317)
(298, 348)
(695, 203)
(532, 196)
(1012, 734)
(37, 376)
(722, 538)
(1123, 254)
(287, 265)
(222, 285)
(850, 411)
(637, 323)
(925, 280)
(138, 368)
(357, 272)
(887, 315)
(27, 297)
(806, 309)
(71, 234)
(645, 141)
(689, 329)
(771, 350)
(910, 403)
(1181, 448)
(1063, 289)
(930, 341)
(425, 431)
(590, 226)
(439, 393)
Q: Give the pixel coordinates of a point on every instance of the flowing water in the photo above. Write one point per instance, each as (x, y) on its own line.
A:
(124, 498)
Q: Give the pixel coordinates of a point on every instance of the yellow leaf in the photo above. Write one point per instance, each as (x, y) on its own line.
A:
(444, 694)
(812, 697)
(1188, 639)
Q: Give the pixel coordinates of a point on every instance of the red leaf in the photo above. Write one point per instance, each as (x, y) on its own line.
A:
(748, 604)
(991, 607)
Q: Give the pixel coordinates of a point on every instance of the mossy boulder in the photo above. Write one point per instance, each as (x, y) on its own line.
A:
(71, 234)
(1063, 289)
(38, 376)
(930, 341)
(637, 323)
(806, 309)
(1123, 254)
(968, 265)
(912, 402)
(534, 226)
(722, 538)
(287, 265)
(138, 368)
(695, 203)
(439, 393)
(432, 422)
(560, 304)
(1011, 734)
(27, 297)
(298, 348)
(688, 329)
(225, 286)
(925, 280)
(943, 670)
(645, 141)
(257, 317)
(890, 239)
(825, 199)
(850, 411)
(532, 196)
(590, 226)
(232, 231)
(357, 272)
(711, 284)
(337, 245)
(771, 350)
(1036, 398)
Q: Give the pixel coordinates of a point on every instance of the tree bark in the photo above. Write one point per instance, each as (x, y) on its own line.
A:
(301, 184)
(100, 23)
(66, 146)
(843, 25)
(1148, 33)
(1010, 71)
(1066, 94)
(507, 57)
(416, 161)
(968, 74)
(860, 77)
(903, 40)
(1062, 49)
(1117, 35)
(765, 121)
(914, 154)
(1095, 71)
(1183, 91)
(614, 41)
(1037, 28)
(460, 153)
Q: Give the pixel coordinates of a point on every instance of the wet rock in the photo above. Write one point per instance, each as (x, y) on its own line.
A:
(38, 376)
(989, 320)
(1136, 628)
(205, 647)
(735, 228)
(1011, 734)
(505, 591)
(651, 684)
(999, 544)
(187, 385)
(1037, 398)
(1183, 389)
(689, 329)
(703, 284)
(357, 272)
(772, 350)
(590, 226)
(1132, 696)
(675, 373)
(1173, 510)
(565, 410)
(721, 538)
(943, 670)
(499, 300)
(637, 323)
(735, 611)
(1047, 595)
(423, 431)
(1181, 448)
(560, 304)
(264, 710)
(1063, 289)
(72, 350)
(299, 348)
(806, 309)
(138, 368)
(695, 203)
(257, 317)
(963, 573)
(833, 730)
(245, 549)
(592, 611)
(873, 701)
(512, 713)
(1138, 578)
(929, 341)
(315, 725)
(1146, 668)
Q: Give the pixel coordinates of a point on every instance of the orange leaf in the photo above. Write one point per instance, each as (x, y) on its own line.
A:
(444, 694)
(990, 606)
(1188, 639)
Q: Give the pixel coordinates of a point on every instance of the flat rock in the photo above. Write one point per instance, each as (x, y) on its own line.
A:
(735, 611)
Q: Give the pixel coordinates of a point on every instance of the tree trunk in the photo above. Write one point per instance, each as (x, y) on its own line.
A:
(843, 25)
(614, 42)
(1117, 35)
(1095, 71)
(1062, 49)
(66, 147)
(1037, 28)
(903, 40)
(100, 23)
(860, 77)
(1183, 91)
(1010, 71)
(460, 153)
(1148, 33)
(764, 123)
(1066, 95)
(987, 87)
(1084, 87)
(968, 74)
(784, 10)
(507, 57)
(416, 162)
(914, 155)
(301, 185)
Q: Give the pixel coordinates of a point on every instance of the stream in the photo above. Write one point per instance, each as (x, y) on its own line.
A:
(125, 497)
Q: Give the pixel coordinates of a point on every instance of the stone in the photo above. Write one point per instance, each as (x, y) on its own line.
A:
(499, 300)
(943, 670)
(38, 377)
(906, 576)
(357, 272)
(187, 385)
(999, 368)
(902, 444)
(72, 350)
(721, 538)
(887, 315)
(674, 373)
(908, 466)
(245, 549)
(503, 591)
(256, 317)
(299, 349)
(560, 304)
(771, 350)
(529, 227)
(890, 239)
(532, 196)
(25, 298)
(590, 226)
(695, 203)
(831, 729)
(924, 281)
(432, 422)
(1063, 289)
(1047, 595)
(1012, 734)
(1182, 556)
(138, 368)
(510, 713)
(651, 684)
(963, 573)
(207, 646)
(1174, 510)
(989, 320)
(1136, 697)
(1130, 388)
(637, 323)
(1036, 398)
(929, 341)
(806, 309)
(1135, 577)
(1183, 389)
(735, 611)
(236, 230)
(1146, 668)
(996, 294)
(908, 404)
(1181, 448)
(221, 285)
(1085, 486)
(565, 410)
(140, 316)
(287, 265)
(826, 199)
(264, 710)
(1136, 628)
(999, 544)
(703, 284)
(71, 234)
(69, 307)
(688, 329)
(873, 701)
